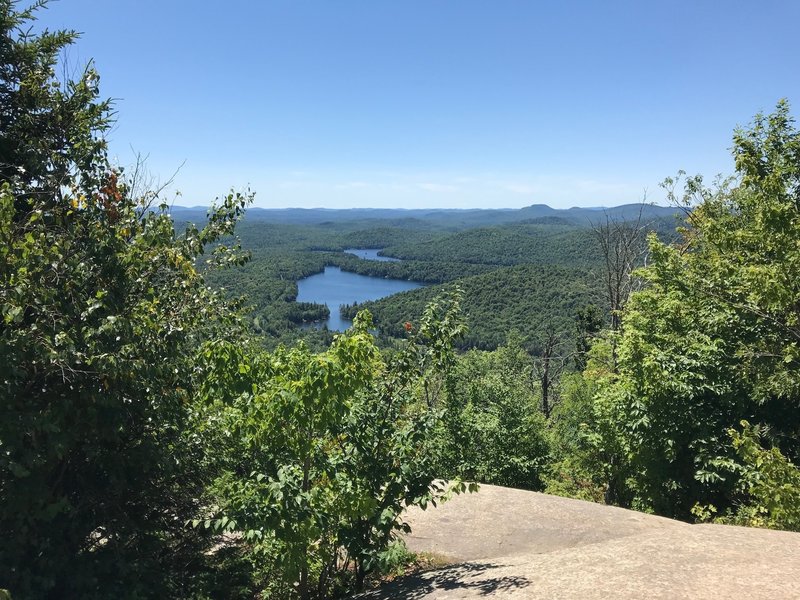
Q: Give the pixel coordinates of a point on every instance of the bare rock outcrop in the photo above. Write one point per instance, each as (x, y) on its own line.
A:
(508, 543)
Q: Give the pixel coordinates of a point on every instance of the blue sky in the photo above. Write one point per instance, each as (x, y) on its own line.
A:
(433, 103)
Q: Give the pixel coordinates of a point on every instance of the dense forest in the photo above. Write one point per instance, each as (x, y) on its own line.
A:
(173, 428)
(559, 270)
(530, 299)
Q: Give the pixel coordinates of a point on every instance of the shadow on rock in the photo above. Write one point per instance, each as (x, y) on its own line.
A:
(465, 576)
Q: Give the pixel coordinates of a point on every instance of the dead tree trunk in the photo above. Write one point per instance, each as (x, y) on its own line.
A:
(623, 247)
(548, 365)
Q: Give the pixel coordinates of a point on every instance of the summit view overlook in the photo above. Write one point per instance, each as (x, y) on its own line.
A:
(399, 300)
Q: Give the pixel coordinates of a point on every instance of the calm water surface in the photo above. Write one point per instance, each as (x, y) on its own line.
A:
(335, 287)
(371, 254)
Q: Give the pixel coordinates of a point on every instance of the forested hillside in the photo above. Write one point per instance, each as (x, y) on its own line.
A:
(551, 243)
(529, 299)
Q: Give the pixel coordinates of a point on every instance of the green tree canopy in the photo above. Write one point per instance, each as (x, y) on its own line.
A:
(51, 131)
(101, 314)
(715, 337)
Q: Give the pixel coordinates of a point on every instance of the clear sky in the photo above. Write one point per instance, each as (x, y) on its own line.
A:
(434, 103)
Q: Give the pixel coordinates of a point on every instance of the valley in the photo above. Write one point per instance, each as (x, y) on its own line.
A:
(528, 270)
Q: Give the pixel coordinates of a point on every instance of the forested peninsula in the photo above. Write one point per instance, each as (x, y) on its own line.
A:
(176, 425)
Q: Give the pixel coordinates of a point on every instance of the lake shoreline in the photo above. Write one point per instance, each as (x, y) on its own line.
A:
(336, 286)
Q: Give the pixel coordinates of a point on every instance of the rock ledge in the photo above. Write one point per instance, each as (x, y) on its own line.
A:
(508, 543)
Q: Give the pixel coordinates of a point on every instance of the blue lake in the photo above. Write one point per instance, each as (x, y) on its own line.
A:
(335, 287)
(370, 254)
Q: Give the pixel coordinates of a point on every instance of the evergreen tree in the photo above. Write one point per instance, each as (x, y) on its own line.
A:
(102, 312)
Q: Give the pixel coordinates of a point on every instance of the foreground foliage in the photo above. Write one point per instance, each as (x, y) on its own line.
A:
(148, 447)
(768, 482)
(715, 339)
(326, 450)
(102, 311)
(492, 430)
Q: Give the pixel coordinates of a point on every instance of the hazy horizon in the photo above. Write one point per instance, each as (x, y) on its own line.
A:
(421, 208)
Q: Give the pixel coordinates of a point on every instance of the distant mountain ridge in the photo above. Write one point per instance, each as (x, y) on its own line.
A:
(455, 218)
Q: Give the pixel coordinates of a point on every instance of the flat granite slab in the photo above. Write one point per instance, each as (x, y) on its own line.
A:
(507, 543)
